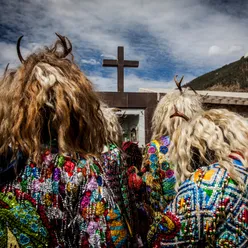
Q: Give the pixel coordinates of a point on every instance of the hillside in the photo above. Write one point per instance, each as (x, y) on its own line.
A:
(232, 77)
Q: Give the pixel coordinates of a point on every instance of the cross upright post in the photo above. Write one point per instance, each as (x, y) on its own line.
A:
(120, 63)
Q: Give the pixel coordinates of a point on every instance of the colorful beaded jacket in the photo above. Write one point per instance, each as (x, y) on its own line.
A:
(66, 202)
(159, 177)
(209, 210)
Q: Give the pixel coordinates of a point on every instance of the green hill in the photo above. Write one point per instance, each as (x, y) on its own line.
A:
(232, 77)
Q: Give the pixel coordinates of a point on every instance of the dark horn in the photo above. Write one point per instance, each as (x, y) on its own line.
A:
(70, 45)
(179, 114)
(63, 41)
(179, 83)
(6, 69)
(18, 50)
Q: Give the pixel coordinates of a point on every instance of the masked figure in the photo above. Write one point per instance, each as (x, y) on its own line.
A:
(211, 206)
(157, 169)
(55, 191)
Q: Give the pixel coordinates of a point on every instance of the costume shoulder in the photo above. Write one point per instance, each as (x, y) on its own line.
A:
(68, 194)
(204, 211)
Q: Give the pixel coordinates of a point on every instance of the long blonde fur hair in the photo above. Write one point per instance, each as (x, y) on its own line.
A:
(211, 136)
(234, 127)
(49, 92)
(114, 129)
(187, 103)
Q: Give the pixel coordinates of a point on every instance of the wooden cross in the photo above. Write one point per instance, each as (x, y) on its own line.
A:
(120, 63)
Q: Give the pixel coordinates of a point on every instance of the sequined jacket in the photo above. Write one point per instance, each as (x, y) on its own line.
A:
(209, 210)
(66, 202)
(159, 177)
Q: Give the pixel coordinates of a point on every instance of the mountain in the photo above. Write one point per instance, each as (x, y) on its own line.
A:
(231, 77)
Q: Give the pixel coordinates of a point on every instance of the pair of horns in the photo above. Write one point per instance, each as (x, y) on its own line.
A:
(179, 85)
(179, 114)
(63, 40)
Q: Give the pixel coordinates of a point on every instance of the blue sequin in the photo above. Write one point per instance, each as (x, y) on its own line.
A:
(35, 172)
(43, 232)
(165, 165)
(55, 185)
(24, 240)
(28, 216)
(163, 228)
(23, 221)
(163, 149)
(99, 181)
(82, 163)
(153, 166)
(35, 227)
(153, 158)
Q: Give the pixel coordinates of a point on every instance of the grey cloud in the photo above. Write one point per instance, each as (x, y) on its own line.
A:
(183, 30)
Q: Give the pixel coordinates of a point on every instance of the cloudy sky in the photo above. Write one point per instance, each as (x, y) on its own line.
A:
(168, 37)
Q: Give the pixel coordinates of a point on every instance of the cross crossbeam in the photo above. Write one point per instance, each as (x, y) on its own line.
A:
(120, 63)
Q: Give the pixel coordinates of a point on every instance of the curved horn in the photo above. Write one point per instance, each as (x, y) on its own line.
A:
(18, 50)
(63, 41)
(179, 114)
(6, 69)
(70, 45)
(179, 83)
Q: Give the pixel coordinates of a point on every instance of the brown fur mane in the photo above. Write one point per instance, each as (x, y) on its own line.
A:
(49, 97)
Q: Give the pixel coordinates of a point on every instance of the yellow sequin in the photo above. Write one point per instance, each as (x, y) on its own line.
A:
(120, 234)
(112, 215)
(149, 179)
(156, 143)
(171, 225)
(208, 175)
(182, 203)
(100, 208)
(47, 199)
(196, 176)
(162, 158)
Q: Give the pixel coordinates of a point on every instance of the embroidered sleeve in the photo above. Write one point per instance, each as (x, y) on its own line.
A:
(151, 178)
(159, 176)
(118, 178)
(102, 223)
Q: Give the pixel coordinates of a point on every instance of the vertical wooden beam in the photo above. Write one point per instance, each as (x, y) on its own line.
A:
(120, 78)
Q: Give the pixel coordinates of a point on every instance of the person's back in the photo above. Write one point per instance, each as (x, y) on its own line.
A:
(66, 202)
(211, 204)
(209, 208)
(57, 193)
(157, 169)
